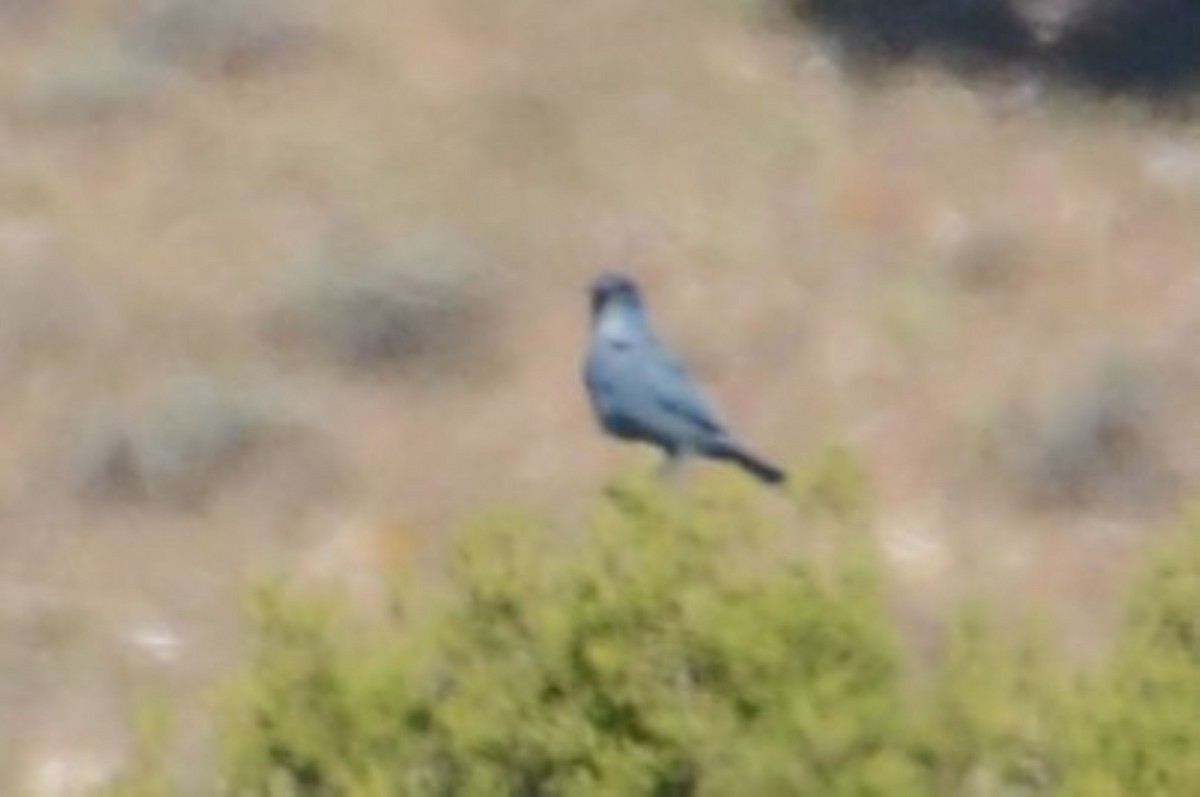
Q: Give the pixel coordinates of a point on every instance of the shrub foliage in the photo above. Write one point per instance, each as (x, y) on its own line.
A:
(684, 645)
(673, 648)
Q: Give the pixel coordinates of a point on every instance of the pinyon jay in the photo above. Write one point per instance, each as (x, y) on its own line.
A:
(640, 391)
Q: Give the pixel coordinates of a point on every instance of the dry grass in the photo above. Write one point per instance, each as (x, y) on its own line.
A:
(894, 265)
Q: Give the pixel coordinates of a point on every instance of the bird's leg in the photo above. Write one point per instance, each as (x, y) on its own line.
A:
(668, 471)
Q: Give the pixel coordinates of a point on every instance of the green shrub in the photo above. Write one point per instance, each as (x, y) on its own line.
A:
(1006, 719)
(999, 709)
(1143, 711)
(683, 645)
(676, 647)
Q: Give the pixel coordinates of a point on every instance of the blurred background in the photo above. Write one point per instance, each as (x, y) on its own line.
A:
(290, 287)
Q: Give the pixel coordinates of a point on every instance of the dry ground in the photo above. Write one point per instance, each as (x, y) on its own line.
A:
(988, 291)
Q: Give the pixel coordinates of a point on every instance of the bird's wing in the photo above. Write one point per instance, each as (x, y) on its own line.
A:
(676, 392)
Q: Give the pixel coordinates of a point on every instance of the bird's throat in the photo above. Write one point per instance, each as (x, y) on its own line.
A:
(620, 326)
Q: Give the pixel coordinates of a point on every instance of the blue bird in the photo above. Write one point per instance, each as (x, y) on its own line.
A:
(641, 392)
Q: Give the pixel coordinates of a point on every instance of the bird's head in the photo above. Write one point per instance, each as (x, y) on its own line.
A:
(613, 290)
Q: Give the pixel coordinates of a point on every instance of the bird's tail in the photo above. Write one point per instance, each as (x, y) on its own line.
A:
(730, 451)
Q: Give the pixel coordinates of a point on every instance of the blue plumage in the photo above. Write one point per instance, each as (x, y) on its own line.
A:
(640, 391)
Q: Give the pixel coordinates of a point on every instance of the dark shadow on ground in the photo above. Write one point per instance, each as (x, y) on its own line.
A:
(1145, 49)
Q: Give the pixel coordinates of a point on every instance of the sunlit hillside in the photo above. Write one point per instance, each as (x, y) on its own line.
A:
(293, 287)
